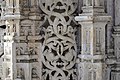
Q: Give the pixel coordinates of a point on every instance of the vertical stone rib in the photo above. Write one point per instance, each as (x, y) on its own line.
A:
(92, 20)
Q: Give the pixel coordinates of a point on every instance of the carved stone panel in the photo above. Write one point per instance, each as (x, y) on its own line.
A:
(59, 46)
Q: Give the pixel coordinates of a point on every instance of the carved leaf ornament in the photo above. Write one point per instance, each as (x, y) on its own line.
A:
(59, 45)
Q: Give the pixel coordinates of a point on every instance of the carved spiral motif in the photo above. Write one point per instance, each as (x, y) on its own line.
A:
(59, 46)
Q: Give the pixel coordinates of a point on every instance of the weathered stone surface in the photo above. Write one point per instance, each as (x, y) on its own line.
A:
(93, 21)
(59, 45)
(117, 12)
(41, 35)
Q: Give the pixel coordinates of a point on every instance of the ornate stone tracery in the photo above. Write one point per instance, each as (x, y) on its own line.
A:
(59, 46)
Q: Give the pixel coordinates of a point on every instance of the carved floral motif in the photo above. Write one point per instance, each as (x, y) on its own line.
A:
(59, 46)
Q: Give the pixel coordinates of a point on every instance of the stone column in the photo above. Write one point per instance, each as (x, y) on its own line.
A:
(113, 62)
(9, 58)
(58, 44)
(2, 31)
(12, 22)
(93, 21)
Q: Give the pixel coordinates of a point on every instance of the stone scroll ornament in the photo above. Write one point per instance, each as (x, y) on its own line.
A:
(59, 45)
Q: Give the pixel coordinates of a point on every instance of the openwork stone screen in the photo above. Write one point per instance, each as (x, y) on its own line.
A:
(59, 45)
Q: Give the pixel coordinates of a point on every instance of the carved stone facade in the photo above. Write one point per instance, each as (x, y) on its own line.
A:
(48, 40)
